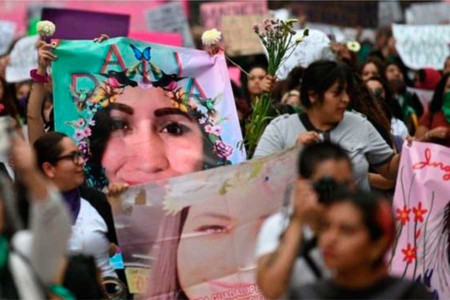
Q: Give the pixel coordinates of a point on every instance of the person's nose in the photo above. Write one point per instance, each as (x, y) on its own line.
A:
(147, 148)
(345, 98)
(81, 161)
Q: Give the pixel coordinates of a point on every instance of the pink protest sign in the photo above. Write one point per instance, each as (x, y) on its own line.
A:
(422, 208)
(171, 39)
(212, 13)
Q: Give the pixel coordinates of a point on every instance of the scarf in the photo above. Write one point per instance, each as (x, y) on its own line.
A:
(446, 106)
(73, 201)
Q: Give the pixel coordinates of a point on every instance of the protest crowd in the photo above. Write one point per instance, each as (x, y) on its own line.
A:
(224, 150)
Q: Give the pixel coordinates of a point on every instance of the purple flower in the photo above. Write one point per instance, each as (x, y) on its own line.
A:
(79, 134)
(87, 132)
(222, 150)
(92, 123)
(84, 148)
(256, 28)
(217, 130)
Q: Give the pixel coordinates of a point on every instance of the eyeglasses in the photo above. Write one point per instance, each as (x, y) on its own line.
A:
(74, 156)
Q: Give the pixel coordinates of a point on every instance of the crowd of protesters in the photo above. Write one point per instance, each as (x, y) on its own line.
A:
(351, 118)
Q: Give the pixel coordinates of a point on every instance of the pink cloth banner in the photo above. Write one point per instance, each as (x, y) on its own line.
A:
(422, 207)
(171, 39)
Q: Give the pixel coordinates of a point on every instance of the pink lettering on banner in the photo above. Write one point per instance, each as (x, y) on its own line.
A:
(433, 164)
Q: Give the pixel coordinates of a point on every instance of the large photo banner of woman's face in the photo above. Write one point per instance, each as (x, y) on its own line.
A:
(143, 112)
(195, 236)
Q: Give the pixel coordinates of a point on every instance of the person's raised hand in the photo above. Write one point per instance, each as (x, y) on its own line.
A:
(115, 189)
(307, 208)
(267, 83)
(101, 38)
(308, 138)
(23, 155)
(45, 56)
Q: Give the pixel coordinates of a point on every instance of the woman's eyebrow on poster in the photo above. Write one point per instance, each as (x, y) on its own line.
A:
(161, 112)
(122, 107)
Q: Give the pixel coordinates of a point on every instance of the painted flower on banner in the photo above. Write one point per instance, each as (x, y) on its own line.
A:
(223, 150)
(403, 215)
(419, 213)
(410, 254)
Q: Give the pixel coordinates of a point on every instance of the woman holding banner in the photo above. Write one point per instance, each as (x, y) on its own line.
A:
(325, 94)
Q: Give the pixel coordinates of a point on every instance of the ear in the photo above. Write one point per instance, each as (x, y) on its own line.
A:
(49, 170)
(312, 97)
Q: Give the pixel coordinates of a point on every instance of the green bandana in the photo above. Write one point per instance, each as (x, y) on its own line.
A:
(446, 106)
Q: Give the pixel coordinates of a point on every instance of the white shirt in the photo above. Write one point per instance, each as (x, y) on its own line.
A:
(269, 240)
(89, 238)
(399, 128)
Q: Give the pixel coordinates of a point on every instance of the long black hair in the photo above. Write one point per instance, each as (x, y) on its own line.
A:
(438, 95)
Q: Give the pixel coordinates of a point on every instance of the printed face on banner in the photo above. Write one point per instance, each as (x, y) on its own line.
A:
(142, 112)
(421, 203)
(204, 247)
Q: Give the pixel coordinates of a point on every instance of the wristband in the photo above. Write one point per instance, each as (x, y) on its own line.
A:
(37, 78)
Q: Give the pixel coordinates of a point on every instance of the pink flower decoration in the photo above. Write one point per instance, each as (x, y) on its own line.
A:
(87, 132)
(79, 134)
(208, 128)
(80, 122)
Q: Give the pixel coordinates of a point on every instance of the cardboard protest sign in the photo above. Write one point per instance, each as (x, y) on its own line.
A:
(85, 25)
(141, 112)
(428, 13)
(239, 37)
(170, 17)
(314, 47)
(389, 12)
(172, 39)
(23, 59)
(422, 207)
(422, 46)
(194, 236)
(341, 13)
(212, 13)
(7, 30)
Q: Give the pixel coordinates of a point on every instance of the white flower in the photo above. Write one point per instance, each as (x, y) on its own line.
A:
(299, 39)
(45, 28)
(211, 37)
(353, 46)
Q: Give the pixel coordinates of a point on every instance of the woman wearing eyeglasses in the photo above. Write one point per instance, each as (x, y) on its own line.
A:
(59, 159)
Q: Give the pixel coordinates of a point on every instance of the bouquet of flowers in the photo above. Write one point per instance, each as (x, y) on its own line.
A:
(280, 41)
